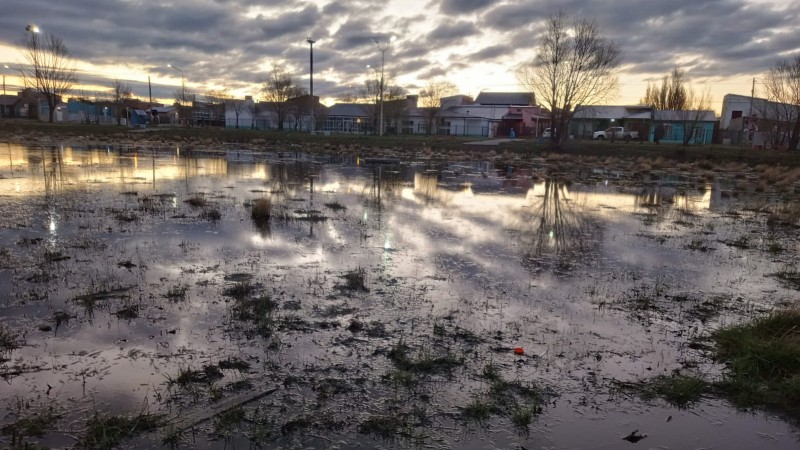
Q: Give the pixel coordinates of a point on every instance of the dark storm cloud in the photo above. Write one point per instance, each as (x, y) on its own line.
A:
(454, 7)
(453, 33)
(228, 39)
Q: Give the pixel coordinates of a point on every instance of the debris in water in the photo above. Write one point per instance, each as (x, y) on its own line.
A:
(634, 437)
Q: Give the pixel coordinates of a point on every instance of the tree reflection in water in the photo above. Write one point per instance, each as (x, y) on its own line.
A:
(555, 232)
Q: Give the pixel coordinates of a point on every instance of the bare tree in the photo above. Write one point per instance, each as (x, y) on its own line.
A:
(49, 69)
(236, 106)
(215, 101)
(431, 99)
(671, 95)
(574, 66)
(395, 106)
(782, 84)
(278, 89)
(184, 100)
(298, 105)
(697, 108)
(120, 94)
(370, 95)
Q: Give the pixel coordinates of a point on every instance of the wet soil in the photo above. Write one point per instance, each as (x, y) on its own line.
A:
(284, 299)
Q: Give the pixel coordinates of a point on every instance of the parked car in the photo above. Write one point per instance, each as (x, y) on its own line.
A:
(548, 132)
(617, 133)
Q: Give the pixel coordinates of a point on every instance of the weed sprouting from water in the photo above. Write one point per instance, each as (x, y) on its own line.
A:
(177, 293)
(227, 421)
(106, 432)
(356, 279)
(335, 206)
(207, 374)
(478, 410)
(763, 358)
(8, 341)
(425, 361)
(196, 201)
(386, 426)
(240, 291)
(211, 214)
(789, 277)
(679, 390)
(28, 424)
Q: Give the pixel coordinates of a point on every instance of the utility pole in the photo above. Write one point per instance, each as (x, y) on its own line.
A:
(382, 48)
(311, 80)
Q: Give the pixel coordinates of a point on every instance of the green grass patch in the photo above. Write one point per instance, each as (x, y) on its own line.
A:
(106, 432)
(425, 361)
(678, 390)
(763, 361)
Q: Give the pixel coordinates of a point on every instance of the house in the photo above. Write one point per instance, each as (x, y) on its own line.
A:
(749, 119)
(240, 113)
(349, 118)
(9, 106)
(491, 114)
(679, 127)
(588, 119)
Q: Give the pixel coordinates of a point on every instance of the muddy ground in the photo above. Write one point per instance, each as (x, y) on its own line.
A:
(164, 296)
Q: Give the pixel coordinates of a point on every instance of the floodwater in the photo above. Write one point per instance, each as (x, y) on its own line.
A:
(119, 272)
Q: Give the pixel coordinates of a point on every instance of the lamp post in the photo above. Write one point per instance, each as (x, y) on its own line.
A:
(382, 47)
(311, 80)
(5, 66)
(183, 83)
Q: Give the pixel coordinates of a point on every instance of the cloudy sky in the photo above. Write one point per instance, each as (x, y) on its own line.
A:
(476, 44)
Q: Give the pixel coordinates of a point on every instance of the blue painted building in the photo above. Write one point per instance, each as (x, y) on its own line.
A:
(679, 127)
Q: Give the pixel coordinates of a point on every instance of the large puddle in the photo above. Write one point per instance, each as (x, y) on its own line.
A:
(375, 303)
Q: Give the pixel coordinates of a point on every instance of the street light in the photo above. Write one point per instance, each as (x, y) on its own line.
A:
(382, 47)
(311, 79)
(5, 66)
(183, 83)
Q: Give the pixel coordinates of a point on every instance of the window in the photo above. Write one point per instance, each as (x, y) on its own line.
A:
(667, 131)
(736, 114)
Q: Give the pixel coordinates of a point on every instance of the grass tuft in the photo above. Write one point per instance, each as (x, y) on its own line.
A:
(106, 432)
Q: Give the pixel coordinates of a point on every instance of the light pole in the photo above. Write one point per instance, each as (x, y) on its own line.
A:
(5, 66)
(183, 83)
(382, 47)
(311, 80)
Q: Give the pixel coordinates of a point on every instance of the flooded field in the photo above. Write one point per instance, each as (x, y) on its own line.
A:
(286, 300)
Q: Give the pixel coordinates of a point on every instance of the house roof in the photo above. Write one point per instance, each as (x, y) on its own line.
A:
(612, 112)
(347, 109)
(504, 98)
(677, 116)
(8, 100)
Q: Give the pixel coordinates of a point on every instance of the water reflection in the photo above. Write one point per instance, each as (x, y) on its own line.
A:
(468, 244)
(556, 229)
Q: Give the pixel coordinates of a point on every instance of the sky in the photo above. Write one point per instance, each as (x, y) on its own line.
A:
(723, 45)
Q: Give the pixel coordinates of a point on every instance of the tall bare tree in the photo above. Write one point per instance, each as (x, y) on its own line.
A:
(782, 84)
(697, 108)
(278, 89)
(237, 107)
(120, 94)
(671, 95)
(574, 66)
(370, 95)
(431, 99)
(395, 106)
(216, 101)
(298, 105)
(49, 69)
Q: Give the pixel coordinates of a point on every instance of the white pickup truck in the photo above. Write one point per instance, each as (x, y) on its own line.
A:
(616, 133)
